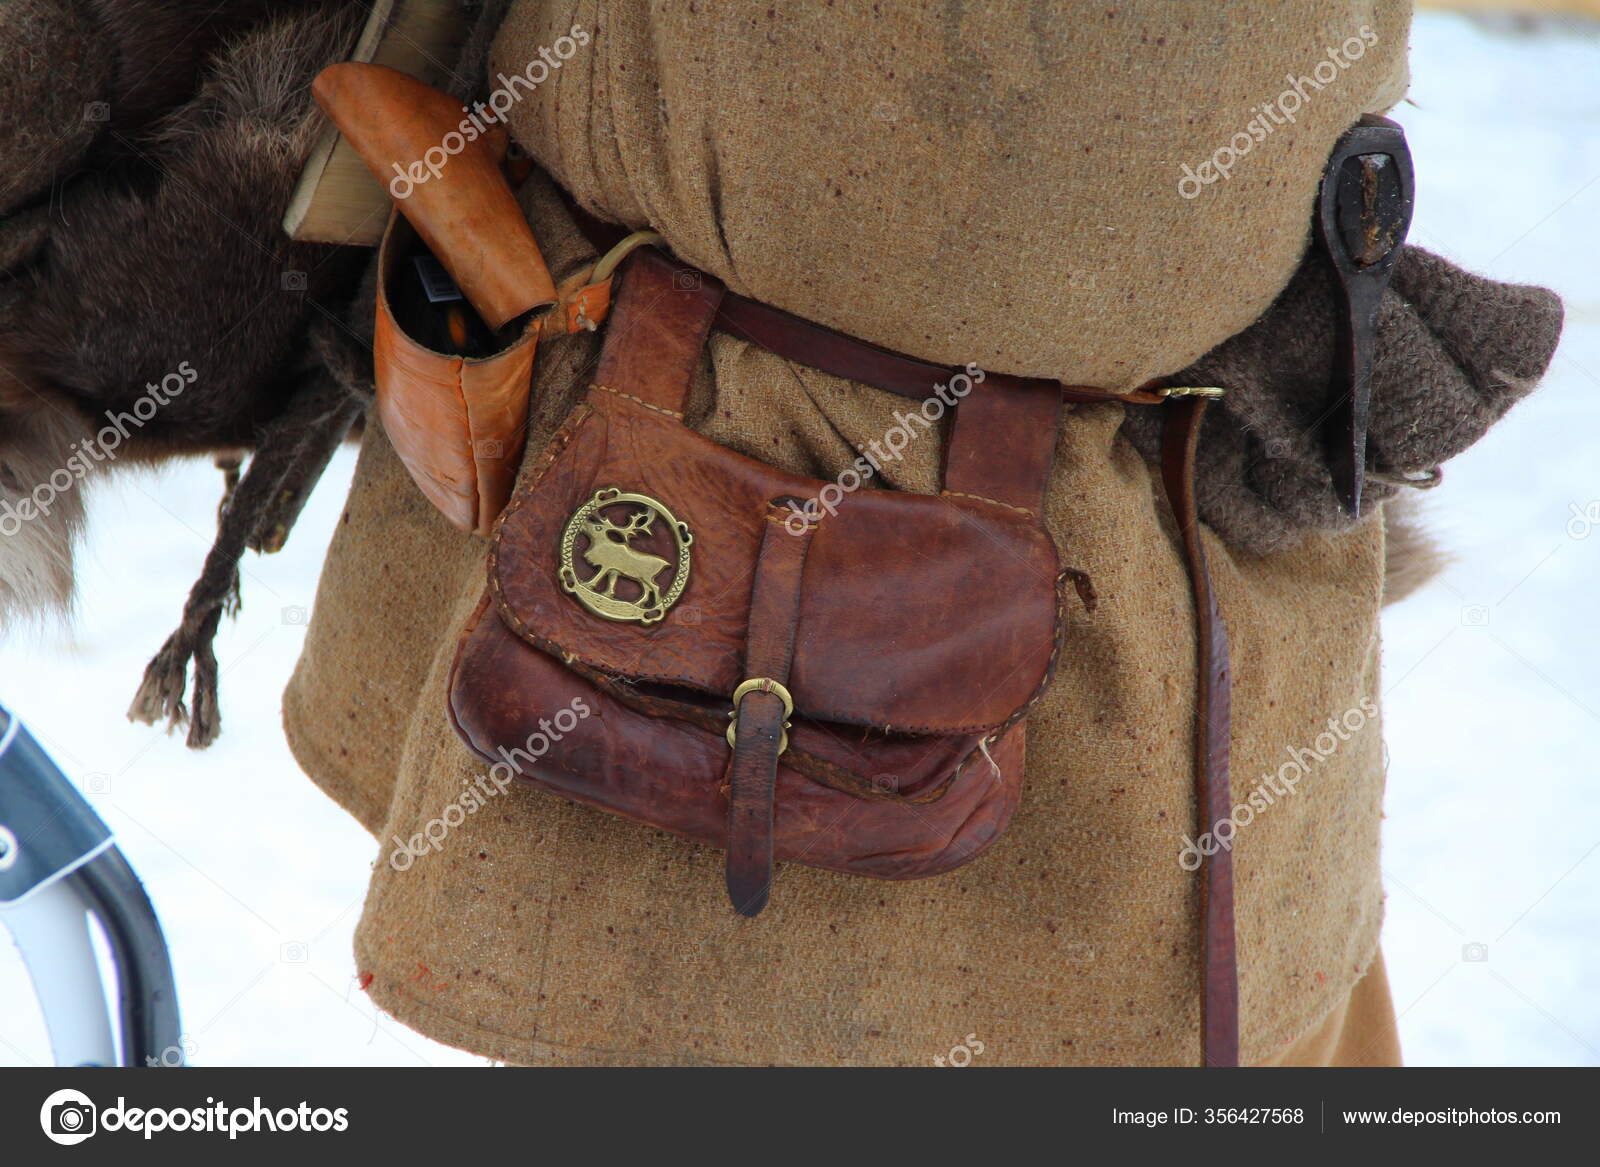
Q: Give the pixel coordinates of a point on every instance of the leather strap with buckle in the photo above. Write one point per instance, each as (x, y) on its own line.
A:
(758, 729)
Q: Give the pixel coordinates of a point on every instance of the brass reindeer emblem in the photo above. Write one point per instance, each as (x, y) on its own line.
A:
(610, 551)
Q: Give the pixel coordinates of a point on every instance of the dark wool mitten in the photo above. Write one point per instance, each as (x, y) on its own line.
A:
(1454, 352)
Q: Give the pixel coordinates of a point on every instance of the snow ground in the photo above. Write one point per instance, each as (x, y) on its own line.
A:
(1492, 699)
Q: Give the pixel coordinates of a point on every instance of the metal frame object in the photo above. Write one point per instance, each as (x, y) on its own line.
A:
(58, 868)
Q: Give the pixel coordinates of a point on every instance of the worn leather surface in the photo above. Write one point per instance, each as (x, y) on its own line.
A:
(466, 212)
(909, 669)
(752, 800)
(458, 423)
(669, 773)
(760, 717)
(901, 624)
(662, 316)
(1004, 441)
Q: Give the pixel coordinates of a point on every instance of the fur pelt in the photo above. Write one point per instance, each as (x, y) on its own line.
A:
(173, 266)
(50, 83)
(84, 79)
(1412, 556)
(162, 47)
(35, 551)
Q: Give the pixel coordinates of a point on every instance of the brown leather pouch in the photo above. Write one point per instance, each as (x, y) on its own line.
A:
(671, 634)
(456, 420)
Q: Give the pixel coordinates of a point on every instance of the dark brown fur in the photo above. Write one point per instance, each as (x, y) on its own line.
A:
(134, 280)
(160, 47)
(1412, 557)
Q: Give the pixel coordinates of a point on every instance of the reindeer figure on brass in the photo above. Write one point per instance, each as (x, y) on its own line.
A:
(608, 551)
(611, 553)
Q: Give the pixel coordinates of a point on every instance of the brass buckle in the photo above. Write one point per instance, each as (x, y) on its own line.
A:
(1190, 391)
(762, 685)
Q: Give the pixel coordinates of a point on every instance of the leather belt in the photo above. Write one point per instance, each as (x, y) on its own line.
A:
(819, 347)
(1213, 716)
(841, 355)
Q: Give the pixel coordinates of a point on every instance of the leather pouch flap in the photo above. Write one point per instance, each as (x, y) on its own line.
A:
(919, 614)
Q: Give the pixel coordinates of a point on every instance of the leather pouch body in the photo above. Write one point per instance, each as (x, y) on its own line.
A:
(457, 422)
(912, 666)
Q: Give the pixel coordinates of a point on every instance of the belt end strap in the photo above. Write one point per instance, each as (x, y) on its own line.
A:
(1220, 997)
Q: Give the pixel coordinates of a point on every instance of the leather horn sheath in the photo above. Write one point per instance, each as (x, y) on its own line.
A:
(460, 203)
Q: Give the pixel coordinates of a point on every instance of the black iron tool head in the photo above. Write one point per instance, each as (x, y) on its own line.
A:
(1363, 213)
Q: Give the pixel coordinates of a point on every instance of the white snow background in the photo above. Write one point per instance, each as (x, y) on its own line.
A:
(1492, 701)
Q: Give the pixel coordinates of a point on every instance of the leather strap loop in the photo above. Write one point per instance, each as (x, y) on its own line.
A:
(759, 715)
(665, 312)
(1003, 443)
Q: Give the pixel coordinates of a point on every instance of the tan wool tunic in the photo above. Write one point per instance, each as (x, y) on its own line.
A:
(994, 183)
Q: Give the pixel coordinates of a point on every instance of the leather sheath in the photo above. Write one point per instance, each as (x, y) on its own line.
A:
(458, 200)
(458, 423)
